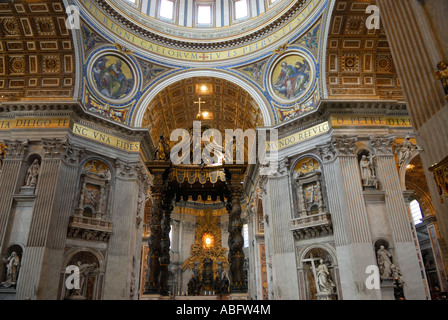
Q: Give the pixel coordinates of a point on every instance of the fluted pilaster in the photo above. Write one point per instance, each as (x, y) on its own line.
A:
(34, 254)
(9, 174)
(399, 220)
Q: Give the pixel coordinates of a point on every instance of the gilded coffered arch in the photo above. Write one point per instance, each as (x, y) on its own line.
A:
(359, 63)
(226, 105)
(37, 52)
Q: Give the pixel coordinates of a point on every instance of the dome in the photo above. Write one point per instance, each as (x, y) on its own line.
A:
(203, 20)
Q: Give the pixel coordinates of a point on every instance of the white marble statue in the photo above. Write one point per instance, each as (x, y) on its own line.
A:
(404, 150)
(366, 170)
(384, 262)
(32, 173)
(12, 267)
(323, 278)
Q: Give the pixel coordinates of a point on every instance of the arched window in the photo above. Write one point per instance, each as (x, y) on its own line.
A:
(246, 235)
(416, 212)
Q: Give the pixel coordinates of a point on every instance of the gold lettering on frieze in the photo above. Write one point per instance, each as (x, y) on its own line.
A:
(298, 137)
(34, 123)
(341, 121)
(105, 138)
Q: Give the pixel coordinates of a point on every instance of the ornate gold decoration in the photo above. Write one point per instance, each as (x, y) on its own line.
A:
(122, 49)
(440, 171)
(306, 165)
(193, 175)
(442, 75)
(208, 226)
(281, 48)
(97, 168)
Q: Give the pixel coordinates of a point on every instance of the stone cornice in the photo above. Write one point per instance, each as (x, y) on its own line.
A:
(327, 108)
(75, 110)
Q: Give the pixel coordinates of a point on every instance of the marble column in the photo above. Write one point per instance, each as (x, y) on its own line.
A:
(416, 53)
(346, 205)
(9, 174)
(123, 214)
(281, 256)
(34, 272)
(62, 209)
(399, 221)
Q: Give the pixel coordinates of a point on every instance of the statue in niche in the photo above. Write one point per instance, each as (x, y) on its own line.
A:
(368, 175)
(84, 270)
(442, 75)
(32, 173)
(398, 282)
(12, 267)
(326, 285)
(404, 150)
(384, 262)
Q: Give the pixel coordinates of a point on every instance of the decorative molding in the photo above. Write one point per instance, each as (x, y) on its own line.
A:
(89, 228)
(313, 226)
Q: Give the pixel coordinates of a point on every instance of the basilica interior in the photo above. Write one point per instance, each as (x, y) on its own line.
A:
(223, 149)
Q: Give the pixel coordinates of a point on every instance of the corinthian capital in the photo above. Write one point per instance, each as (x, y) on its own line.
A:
(127, 171)
(15, 149)
(53, 148)
(344, 145)
(275, 169)
(72, 155)
(327, 152)
(382, 145)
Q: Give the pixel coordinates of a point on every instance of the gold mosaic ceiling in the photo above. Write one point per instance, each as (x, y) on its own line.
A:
(359, 61)
(37, 57)
(228, 106)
